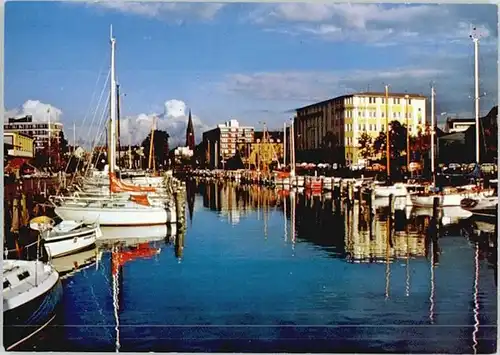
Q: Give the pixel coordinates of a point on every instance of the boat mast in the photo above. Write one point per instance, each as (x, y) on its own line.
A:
(113, 106)
(433, 132)
(475, 38)
(129, 150)
(292, 149)
(388, 134)
(118, 121)
(151, 145)
(284, 145)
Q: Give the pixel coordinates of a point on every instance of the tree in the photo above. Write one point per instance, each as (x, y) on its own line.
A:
(63, 145)
(366, 147)
(160, 146)
(420, 144)
(379, 144)
(397, 140)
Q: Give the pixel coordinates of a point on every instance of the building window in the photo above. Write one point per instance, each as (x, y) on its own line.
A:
(394, 115)
(409, 101)
(359, 127)
(382, 128)
(383, 114)
(359, 114)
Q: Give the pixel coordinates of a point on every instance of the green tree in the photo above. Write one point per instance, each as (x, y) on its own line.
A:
(397, 140)
(420, 144)
(366, 147)
(160, 146)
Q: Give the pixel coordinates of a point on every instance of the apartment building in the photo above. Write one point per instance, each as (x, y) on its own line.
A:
(39, 131)
(342, 120)
(222, 142)
(18, 145)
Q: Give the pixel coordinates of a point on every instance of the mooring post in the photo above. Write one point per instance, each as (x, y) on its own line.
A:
(391, 205)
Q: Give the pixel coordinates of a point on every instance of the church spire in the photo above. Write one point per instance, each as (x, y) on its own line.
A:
(190, 133)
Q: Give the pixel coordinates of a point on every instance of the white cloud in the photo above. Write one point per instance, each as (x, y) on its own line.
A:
(313, 86)
(453, 78)
(40, 111)
(380, 25)
(168, 11)
(174, 120)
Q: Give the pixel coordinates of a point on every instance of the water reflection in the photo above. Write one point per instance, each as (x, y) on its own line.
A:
(74, 262)
(362, 282)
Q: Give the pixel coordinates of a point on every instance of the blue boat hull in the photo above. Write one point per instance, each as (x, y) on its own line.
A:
(23, 323)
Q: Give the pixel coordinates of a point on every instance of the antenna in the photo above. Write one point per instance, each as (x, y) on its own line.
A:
(111, 32)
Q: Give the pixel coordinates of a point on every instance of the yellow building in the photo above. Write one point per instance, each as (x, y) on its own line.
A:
(348, 117)
(19, 145)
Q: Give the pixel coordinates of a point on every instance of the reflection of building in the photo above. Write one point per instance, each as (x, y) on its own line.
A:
(341, 121)
(39, 131)
(19, 145)
(378, 247)
(235, 201)
(221, 143)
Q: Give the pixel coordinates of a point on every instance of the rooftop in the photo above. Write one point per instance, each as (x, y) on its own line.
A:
(366, 94)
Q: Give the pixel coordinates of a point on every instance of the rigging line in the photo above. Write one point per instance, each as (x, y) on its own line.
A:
(96, 141)
(93, 143)
(100, 98)
(95, 112)
(106, 59)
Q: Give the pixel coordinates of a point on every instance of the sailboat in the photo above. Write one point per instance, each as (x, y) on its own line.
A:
(32, 292)
(449, 196)
(138, 209)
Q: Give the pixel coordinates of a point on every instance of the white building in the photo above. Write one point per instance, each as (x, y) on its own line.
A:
(39, 131)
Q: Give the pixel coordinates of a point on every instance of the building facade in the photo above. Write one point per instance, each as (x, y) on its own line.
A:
(454, 125)
(337, 124)
(190, 141)
(39, 131)
(19, 145)
(222, 142)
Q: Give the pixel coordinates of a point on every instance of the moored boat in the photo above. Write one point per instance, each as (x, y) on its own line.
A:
(32, 292)
(67, 237)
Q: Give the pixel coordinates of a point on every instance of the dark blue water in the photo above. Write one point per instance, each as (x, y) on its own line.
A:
(239, 281)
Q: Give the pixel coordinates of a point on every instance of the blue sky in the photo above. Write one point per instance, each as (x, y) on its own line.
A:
(253, 62)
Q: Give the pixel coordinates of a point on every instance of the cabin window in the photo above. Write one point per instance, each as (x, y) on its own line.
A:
(6, 284)
(23, 275)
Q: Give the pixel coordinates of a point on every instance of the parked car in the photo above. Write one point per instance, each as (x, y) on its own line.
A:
(488, 168)
(415, 166)
(377, 167)
(454, 166)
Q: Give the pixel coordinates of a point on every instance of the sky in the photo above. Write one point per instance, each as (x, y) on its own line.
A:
(254, 62)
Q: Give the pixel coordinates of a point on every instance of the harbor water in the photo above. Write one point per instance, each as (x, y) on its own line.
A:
(257, 270)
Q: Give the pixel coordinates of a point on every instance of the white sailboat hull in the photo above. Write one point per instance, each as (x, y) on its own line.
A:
(386, 191)
(445, 200)
(118, 216)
